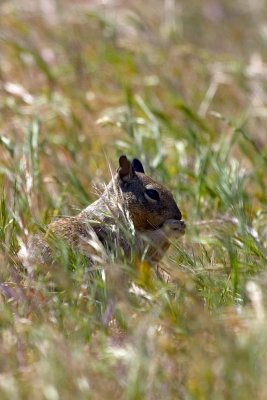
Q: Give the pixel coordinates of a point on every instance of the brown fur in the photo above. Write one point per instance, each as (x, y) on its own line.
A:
(124, 200)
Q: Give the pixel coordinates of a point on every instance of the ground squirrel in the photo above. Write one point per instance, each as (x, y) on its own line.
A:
(132, 201)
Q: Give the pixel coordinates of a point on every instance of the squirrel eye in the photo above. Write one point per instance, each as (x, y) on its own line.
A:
(152, 194)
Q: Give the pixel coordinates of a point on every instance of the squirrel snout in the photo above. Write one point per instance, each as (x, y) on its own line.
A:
(176, 213)
(178, 216)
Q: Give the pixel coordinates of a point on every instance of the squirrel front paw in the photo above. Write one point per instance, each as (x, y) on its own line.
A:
(174, 227)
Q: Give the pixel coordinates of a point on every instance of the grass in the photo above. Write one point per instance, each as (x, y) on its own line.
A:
(183, 88)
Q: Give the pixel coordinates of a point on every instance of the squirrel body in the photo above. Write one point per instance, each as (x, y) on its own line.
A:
(131, 200)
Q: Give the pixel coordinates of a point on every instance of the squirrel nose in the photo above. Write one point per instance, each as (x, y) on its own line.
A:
(178, 215)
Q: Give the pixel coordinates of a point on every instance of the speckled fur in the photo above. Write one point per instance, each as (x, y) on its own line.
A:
(123, 201)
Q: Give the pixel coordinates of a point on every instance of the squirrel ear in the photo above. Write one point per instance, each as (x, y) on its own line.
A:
(137, 166)
(125, 169)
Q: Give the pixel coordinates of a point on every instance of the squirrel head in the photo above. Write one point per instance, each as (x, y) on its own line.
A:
(150, 204)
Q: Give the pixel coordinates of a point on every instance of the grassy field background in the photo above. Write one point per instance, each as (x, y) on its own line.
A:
(182, 85)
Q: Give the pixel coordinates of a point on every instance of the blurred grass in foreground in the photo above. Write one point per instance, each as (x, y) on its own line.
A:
(181, 86)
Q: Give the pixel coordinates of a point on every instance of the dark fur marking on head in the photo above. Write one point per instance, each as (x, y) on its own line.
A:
(138, 166)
